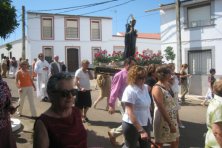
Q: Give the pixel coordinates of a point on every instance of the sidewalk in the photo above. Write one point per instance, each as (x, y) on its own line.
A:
(194, 97)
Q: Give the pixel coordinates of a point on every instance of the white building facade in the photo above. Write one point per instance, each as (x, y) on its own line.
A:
(73, 38)
(201, 38)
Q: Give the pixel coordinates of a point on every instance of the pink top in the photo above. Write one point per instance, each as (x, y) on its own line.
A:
(119, 83)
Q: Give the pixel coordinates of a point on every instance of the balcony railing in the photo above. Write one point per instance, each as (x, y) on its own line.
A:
(201, 23)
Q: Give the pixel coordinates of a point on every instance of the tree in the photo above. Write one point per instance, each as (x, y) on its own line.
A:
(8, 22)
(8, 47)
(169, 53)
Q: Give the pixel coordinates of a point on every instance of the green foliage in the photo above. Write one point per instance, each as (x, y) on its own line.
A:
(169, 54)
(8, 46)
(8, 22)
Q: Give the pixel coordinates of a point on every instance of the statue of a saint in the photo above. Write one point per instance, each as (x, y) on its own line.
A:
(130, 39)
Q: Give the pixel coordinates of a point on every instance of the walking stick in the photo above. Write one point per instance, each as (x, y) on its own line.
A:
(151, 142)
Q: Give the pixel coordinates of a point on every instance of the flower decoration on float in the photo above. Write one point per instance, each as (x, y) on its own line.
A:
(102, 57)
(146, 58)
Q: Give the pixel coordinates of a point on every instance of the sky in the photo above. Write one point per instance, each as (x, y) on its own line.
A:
(146, 22)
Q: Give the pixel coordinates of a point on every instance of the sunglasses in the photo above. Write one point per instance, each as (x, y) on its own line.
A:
(66, 93)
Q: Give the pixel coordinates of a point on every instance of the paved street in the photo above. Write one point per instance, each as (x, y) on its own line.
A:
(192, 115)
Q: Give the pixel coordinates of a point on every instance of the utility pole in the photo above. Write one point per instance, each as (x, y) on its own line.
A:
(23, 32)
(178, 31)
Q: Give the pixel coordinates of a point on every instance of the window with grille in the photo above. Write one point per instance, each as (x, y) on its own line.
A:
(95, 30)
(47, 28)
(200, 62)
(199, 16)
(71, 29)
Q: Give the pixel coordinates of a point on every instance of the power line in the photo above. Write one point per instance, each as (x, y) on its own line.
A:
(79, 7)
(93, 11)
(107, 8)
(19, 16)
(146, 15)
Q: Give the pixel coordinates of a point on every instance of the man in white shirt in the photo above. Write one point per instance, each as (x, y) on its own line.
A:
(42, 68)
(82, 81)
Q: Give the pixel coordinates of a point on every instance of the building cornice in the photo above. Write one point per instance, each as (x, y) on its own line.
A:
(67, 15)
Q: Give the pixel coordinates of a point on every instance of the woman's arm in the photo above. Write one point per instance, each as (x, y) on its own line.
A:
(130, 111)
(217, 131)
(158, 98)
(33, 84)
(40, 138)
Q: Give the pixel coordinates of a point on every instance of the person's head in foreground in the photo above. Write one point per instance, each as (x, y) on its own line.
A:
(61, 92)
(137, 75)
(61, 124)
(214, 118)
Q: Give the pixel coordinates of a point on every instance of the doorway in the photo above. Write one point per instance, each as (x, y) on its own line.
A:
(72, 55)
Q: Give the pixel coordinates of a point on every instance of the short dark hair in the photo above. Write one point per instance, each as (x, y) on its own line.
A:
(212, 70)
(53, 84)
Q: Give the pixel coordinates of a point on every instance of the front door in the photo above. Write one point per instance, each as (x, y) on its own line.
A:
(72, 59)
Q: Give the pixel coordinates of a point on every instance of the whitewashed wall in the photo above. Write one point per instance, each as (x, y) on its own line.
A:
(200, 37)
(108, 42)
(16, 49)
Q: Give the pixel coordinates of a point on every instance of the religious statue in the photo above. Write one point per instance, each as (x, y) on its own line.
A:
(130, 38)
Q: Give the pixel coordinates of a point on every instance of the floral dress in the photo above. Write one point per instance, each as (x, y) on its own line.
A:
(6, 137)
(161, 128)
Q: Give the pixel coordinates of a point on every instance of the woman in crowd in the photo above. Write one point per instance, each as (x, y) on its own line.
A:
(25, 86)
(137, 118)
(183, 81)
(211, 80)
(214, 118)
(6, 138)
(104, 83)
(165, 126)
(151, 81)
(151, 75)
(61, 125)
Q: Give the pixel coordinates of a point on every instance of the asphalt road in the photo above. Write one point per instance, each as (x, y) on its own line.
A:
(192, 114)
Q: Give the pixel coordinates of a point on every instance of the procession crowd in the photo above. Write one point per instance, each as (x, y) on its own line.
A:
(147, 98)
